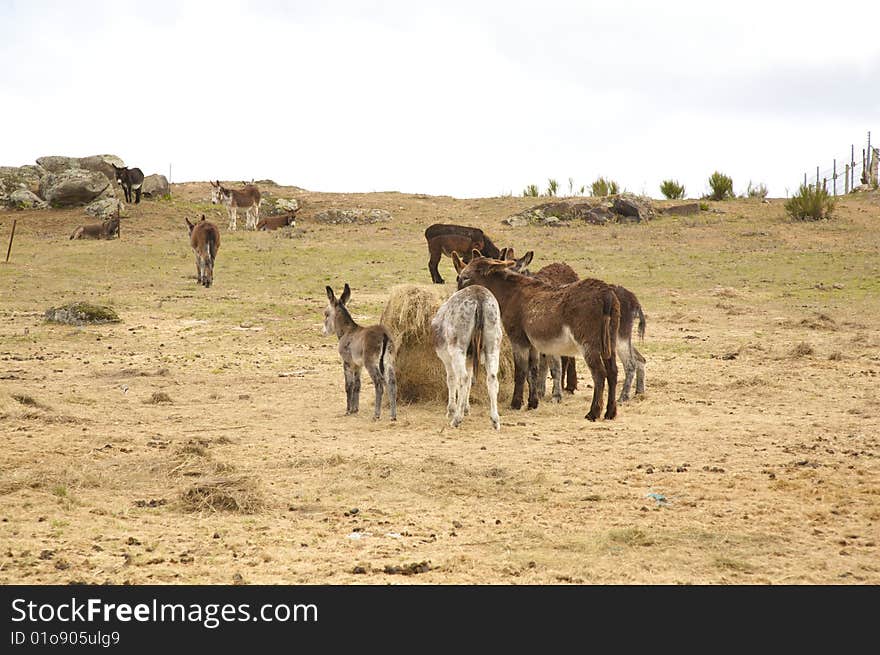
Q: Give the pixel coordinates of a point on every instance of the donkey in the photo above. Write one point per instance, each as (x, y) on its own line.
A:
(129, 178)
(204, 237)
(443, 239)
(371, 347)
(469, 322)
(274, 222)
(579, 318)
(247, 198)
(630, 309)
(107, 229)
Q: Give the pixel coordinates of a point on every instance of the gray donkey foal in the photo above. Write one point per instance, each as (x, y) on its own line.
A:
(371, 347)
(468, 323)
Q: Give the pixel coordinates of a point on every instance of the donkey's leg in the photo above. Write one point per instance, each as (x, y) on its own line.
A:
(556, 374)
(391, 382)
(233, 218)
(569, 370)
(356, 390)
(469, 383)
(640, 371)
(611, 377)
(137, 195)
(349, 386)
(627, 358)
(460, 374)
(543, 365)
(491, 360)
(435, 253)
(379, 385)
(198, 268)
(534, 357)
(597, 370)
(520, 370)
(450, 382)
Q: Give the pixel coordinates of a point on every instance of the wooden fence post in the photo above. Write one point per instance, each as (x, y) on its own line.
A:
(11, 237)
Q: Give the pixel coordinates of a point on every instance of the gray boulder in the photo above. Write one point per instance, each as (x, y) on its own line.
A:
(56, 164)
(633, 207)
(349, 216)
(101, 164)
(74, 187)
(24, 199)
(104, 208)
(155, 186)
(688, 209)
(13, 178)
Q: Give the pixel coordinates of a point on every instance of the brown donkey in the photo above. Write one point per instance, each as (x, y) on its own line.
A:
(444, 239)
(106, 229)
(204, 237)
(371, 347)
(247, 198)
(630, 309)
(274, 222)
(580, 318)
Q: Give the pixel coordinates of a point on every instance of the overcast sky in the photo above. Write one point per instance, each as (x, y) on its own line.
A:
(466, 99)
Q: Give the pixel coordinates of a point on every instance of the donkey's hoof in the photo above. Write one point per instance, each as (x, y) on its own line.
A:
(557, 399)
(590, 416)
(455, 422)
(610, 415)
(533, 404)
(496, 424)
(516, 404)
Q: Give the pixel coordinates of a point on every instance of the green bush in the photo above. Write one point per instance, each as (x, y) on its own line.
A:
(531, 191)
(721, 185)
(603, 187)
(757, 191)
(672, 190)
(810, 204)
(552, 187)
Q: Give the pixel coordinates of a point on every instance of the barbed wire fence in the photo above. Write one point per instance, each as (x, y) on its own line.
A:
(848, 172)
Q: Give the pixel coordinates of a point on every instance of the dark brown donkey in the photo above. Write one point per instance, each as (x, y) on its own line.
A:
(204, 237)
(630, 309)
(274, 222)
(580, 318)
(130, 179)
(444, 239)
(563, 369)
(371, 347)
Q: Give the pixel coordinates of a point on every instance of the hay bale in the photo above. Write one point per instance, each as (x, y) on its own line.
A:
(420, 373)
(238, 493)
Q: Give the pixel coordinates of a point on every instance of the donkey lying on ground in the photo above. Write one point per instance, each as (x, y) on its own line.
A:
(106, 229)
(371, 347)
(130, 178)
(630, 309)
(204, 237)
(580, 318)
(444, 239)
(247, 198)
(469, 323)
(274, 222)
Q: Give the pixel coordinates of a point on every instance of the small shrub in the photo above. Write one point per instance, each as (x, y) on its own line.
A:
(721, 185)
(552, 187)
(672, 190)
(531, 191)
(810, 204)
(757, 191)
(603, 187)
(704, 206)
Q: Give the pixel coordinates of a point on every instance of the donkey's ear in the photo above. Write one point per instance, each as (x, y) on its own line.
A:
(331, 296)
(476, 253)
(346, 294)
(189, 225)
(457, 262)
(203, 217)
(526, 259)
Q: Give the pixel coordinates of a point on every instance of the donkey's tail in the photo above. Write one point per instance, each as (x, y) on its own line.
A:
(477, 337)
(607, 306)
(382, 354)
(642, 322)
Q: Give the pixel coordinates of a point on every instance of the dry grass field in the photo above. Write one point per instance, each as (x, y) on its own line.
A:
(203, 438)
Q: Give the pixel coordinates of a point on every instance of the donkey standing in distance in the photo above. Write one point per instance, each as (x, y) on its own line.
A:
(371, 347)
(630, 308)
(247, 198)
(129, 178)
(444, 239)
(580, 318)
(469, 322)
(204, 237)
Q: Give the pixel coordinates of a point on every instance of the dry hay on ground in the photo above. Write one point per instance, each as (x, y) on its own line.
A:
(420, 373)
(233, 493)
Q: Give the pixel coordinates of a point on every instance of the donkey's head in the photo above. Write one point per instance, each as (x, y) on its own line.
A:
(334, 306)
(519, 265)
(218, 193)
(120, 173)
(478, 269)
